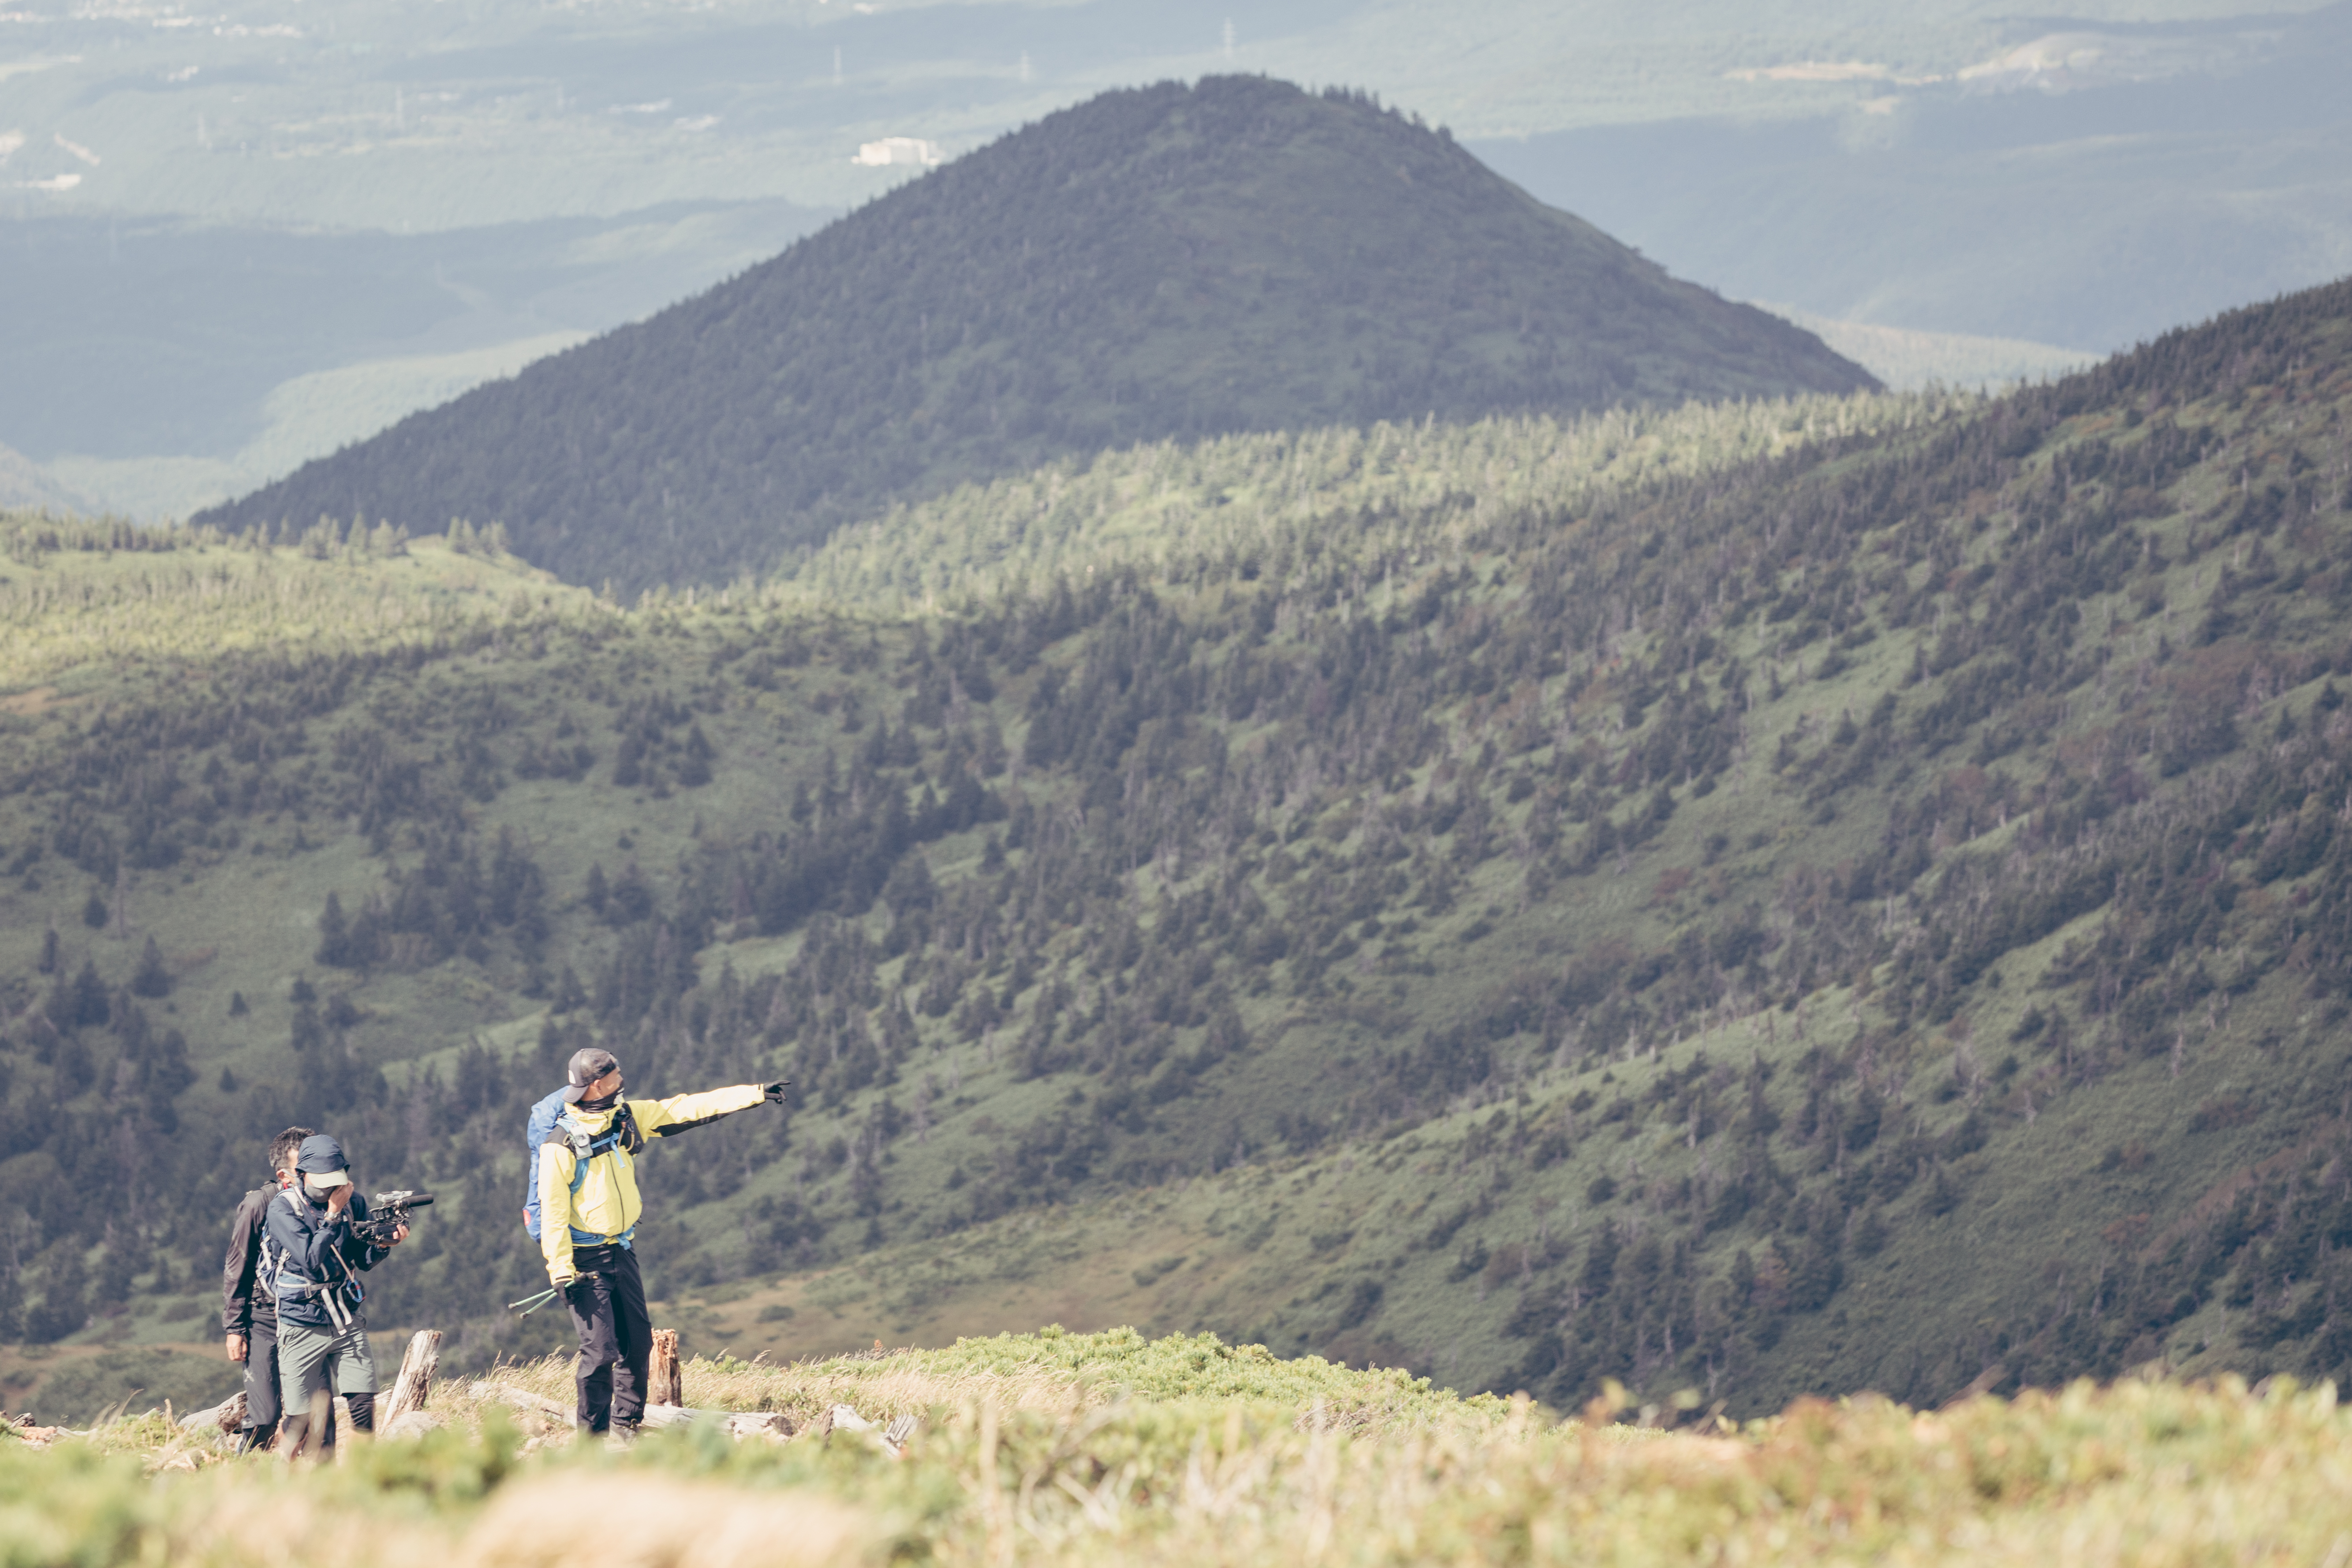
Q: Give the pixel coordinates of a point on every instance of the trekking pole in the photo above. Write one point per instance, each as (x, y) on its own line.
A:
(531, 1304)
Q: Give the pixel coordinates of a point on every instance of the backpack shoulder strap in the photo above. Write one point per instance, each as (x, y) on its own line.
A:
(271, 1259)
(586, 1146)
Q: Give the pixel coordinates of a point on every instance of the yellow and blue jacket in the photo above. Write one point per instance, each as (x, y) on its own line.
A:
(594, 1202)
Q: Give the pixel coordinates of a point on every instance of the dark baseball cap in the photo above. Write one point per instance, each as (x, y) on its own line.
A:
(322, 1160)
(588, 1064)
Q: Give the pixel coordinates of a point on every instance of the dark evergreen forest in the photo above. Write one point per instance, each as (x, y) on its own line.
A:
(1703, 907)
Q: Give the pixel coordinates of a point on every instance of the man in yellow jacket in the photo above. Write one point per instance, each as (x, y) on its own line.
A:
(588, 1208)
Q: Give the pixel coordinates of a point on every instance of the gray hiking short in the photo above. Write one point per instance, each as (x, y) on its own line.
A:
(313, 1361)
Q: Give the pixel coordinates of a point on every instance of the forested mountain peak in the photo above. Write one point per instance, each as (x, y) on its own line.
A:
(1176, 260)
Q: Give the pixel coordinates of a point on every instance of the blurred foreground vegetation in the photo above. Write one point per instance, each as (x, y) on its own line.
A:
(1068, 1448)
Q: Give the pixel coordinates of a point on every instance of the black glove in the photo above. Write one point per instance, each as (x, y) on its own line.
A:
(775, 1091)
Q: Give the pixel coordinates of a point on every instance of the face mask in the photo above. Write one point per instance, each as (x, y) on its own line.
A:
(605, 1103)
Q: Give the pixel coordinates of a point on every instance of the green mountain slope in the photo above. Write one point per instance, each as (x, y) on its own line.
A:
(1176, 260)
(1848, 894)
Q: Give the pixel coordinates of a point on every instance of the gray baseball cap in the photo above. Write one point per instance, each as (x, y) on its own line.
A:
(588, 1064)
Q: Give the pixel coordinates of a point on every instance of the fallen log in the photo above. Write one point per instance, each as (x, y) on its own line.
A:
(409, 1423)
(522, 1399)
(741, 1424)
(890, 1439)
(38, 1437)
(228, 1414)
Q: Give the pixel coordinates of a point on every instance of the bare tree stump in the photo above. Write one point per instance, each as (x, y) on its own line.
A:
(414, 1385)
(665, 1381)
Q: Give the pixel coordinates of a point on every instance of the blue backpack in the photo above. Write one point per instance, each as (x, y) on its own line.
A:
(537, 1130)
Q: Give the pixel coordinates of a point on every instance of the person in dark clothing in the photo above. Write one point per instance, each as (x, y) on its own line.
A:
(322, 1345)
(248, 1310)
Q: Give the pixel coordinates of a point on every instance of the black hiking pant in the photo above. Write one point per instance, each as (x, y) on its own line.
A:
(616, 1337)
(261, 1379)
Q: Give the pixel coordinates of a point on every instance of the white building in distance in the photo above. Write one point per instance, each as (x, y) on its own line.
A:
(897, 150)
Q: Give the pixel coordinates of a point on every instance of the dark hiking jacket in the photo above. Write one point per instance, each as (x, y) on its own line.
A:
(316, 1256)
(243, 1300)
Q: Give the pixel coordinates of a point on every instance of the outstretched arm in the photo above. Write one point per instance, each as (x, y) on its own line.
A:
(680, 1112)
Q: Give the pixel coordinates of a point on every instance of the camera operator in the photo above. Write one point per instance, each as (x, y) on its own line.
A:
(322, 1345)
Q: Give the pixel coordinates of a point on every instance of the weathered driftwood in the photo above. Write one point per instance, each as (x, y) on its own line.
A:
(773, 1425)
(409, 1423)
(22, 1426)
(414, 1385)
(890, 1439)
(521, 1399)
(228, 1414)
(844, 1418)
(665, 1380)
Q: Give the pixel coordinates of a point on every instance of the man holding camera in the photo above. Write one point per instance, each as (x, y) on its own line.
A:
(588, 1209)
(317, 1253)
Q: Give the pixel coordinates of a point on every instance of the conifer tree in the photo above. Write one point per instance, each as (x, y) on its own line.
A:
(153, 978)
(334, 935)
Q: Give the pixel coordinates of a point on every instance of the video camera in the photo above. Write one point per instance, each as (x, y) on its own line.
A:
(387, 1212)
